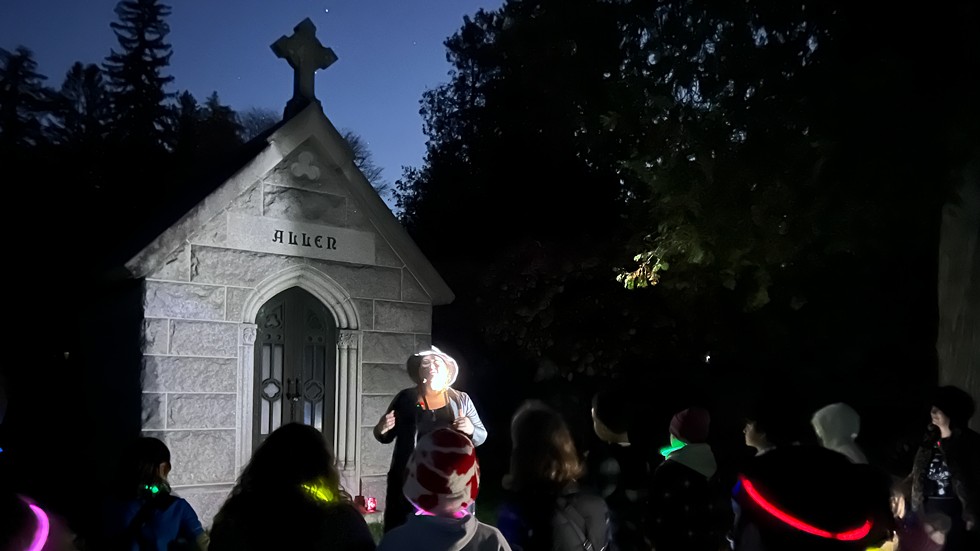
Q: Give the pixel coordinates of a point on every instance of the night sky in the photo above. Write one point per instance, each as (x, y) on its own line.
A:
(390, 52)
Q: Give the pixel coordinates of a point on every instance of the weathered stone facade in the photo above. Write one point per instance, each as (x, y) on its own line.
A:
(204, 283)
(958, 336)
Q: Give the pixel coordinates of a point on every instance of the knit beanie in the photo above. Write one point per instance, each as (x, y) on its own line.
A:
(691, 425)
(443, 476)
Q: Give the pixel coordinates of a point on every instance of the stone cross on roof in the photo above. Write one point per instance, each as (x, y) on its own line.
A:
(305, 55)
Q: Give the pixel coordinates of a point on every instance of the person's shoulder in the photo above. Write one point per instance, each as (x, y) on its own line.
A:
(490, 537)
(343, 511)
(337, 521)
(405, 398)
(179, 502)
(407, 393)
(970, 435)
(964, 442)
(583, 498)
(669, 468)
(488, 529)
(185, 511)
(458, 394)
(167, 504)
(399, 537)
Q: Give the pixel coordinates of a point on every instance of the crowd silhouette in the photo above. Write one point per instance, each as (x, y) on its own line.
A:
(621, 495)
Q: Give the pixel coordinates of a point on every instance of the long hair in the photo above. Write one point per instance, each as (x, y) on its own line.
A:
(543, 456)
(285, 497)
(293, 455)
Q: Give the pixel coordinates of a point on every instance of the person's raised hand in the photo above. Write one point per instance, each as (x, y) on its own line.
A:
(387, 422)
(464, 425)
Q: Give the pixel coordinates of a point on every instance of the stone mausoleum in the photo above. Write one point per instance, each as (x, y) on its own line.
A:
(289, 293)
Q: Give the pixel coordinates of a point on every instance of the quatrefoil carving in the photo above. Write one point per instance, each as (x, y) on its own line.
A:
(304, 167)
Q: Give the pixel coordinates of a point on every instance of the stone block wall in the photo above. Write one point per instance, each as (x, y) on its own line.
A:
(190, 387)
(384, 375)
(193, 309)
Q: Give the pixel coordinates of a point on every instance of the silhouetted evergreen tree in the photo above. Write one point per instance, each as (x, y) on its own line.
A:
(83, 109)
(79, 131)
(136, 75)
(221, 133)
(186, 125)
(24, 101)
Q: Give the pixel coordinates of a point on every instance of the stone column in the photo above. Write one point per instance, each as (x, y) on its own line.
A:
(347, 397)
(340, 423)
(353, 409)
(246, 377)
(359, 376)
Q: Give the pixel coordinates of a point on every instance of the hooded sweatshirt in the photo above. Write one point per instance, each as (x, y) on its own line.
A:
(697, 457)
(425, 533)
(837, 425)
(689, 509)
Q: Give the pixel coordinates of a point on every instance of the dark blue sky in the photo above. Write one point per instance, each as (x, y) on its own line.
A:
(390, 52)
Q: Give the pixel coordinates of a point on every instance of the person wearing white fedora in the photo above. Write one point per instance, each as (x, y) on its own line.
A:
(415, 411)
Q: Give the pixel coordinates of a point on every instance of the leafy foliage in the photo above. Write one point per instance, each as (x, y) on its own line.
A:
(757, 161)
(520, 201)
(745, 135)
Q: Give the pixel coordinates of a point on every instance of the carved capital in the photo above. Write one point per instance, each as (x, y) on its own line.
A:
(248, 334)
(347, 338)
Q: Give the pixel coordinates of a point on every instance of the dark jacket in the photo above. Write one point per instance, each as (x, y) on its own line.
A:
(569, 520)
(289, 519)
(620, 475)
(690, 509)
(160, 522)
(962, 453)
(405, 434)
(404, 404)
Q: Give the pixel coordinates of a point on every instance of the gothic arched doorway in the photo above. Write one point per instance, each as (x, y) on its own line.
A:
(295, 365)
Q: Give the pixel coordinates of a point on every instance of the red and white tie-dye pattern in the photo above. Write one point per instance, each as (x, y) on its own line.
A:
(443, 475)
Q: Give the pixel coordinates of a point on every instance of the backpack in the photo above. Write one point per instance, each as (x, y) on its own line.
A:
(571, 530)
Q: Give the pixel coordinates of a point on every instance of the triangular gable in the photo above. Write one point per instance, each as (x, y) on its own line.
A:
(310, 126)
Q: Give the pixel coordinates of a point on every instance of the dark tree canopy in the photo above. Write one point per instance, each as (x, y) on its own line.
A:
(778, 168)
(221, 131)
(772, 131)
